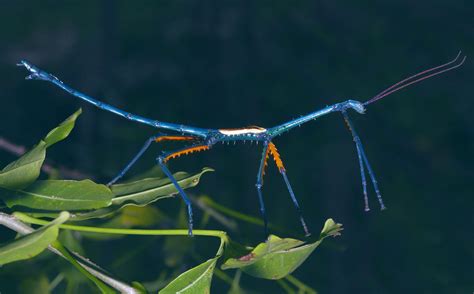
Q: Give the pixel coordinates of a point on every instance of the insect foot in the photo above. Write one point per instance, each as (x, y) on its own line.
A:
(36, 73)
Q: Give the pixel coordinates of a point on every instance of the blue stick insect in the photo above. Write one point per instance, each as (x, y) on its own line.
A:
(201, 139)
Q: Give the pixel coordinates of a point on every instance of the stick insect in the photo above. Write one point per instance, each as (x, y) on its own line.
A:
(202, 139)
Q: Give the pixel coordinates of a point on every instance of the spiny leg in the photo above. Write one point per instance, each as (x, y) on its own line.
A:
(147, 144)
(259, 185)
(364, 181)
(162, 162)
(374, 180)
(38, 74)
(363, 160)
(361, 163)
(276, 157)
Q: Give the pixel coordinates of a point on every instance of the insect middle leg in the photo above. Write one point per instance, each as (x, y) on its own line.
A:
(270, 148)
(162, 162)
(276, 157)
(363, 161)
(259, 185)
(157, 138)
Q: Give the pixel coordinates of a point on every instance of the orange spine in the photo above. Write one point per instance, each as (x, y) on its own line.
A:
(276, 156)
(186, 152)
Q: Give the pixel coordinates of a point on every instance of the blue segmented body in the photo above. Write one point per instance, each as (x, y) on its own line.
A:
(203, 139)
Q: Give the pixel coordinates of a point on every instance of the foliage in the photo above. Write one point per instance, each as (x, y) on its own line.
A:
(276, 258)
(30, 245)
(98, 212)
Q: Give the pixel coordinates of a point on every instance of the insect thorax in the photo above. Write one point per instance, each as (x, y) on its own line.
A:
(248, 133)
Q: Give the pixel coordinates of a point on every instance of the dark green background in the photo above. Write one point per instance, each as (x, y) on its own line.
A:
(236, 63)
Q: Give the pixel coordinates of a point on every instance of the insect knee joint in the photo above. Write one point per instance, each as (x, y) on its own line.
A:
(161, 159)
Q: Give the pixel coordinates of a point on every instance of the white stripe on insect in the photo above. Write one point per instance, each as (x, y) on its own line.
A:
(251, 130)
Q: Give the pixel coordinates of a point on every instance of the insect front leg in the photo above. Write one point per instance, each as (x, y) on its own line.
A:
(363, 161)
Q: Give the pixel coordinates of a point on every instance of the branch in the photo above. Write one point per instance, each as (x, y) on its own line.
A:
(46, 168)
(16, 225)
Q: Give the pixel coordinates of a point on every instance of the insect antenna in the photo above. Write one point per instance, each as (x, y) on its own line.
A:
(423, 75)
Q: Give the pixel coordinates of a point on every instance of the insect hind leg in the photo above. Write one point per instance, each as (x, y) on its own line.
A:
(162, 162)
(157, 138)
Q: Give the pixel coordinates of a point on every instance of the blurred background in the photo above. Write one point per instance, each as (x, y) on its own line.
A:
(225, 64)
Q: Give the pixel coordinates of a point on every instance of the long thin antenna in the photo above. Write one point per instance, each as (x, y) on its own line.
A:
(418, 74)
(409, 81)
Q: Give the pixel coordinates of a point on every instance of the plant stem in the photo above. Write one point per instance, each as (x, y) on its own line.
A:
(230, 212)
(285, 286)
(184, 232)
(301, 286)
(16, 225)
(206, 201)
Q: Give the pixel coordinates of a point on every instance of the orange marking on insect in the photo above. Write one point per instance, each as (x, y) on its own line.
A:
(186, 152)
(265, 163)
(276, 156)
(348, 124)
(174, 138)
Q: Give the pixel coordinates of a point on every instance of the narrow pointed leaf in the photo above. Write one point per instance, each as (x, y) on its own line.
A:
(142, 193)
(63, 130)
(32, 244)
(26, 169)
(196, 280)
(147, 190)
(57, 195)
(71, 258)
(277, 257)
(139, 287)
(153, 172)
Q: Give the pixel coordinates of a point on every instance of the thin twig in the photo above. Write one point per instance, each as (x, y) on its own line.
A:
(220, 218)
(48, 168)
(16, 225)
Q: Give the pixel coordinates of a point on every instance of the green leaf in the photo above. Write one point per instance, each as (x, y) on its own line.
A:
(56, 195)
(63, 130)
(68, 256)
(277, 257)
(145, 191)
(196, 280)
(139, 287)
(136, 216)
(26, 169)
(142, 193)
(154, 172)
(37, 283)
(32, 244)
